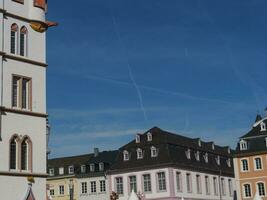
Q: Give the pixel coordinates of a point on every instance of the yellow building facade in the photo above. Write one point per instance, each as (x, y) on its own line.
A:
(61, 188)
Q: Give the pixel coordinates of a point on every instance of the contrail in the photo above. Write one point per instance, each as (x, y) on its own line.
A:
(157, 90)
(139, 94)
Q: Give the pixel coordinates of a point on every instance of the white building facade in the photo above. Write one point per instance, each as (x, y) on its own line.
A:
(23, 99)
(173, 184)
(159, 165)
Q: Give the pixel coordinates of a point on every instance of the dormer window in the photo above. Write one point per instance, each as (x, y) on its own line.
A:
(137, 138)
(154, 152)
(61, 170)
(51, 172)
(126, 155)
(188, 154)
(92, 167)
(243, 145)
(83, 168)
(139, 153)
(218, 160)
(199, 142)
(206, 157)
(71, 169)
(197, 155)
(229, 162)
(212, 146)
(229, 150)
(263, 126)
(101, 166)
(149, 137)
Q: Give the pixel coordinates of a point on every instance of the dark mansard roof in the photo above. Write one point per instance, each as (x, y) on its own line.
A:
(172, 150)
(255, 139)
(107, 158)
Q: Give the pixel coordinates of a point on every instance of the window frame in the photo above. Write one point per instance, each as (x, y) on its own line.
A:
(242, 165)
(245, 191)
(20, 94)
(255, 163)
(161, 181)
(84, 188)
(258, 189)
(147, 187)
(119, 185)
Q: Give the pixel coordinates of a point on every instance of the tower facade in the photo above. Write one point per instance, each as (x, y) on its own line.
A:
(23, 99)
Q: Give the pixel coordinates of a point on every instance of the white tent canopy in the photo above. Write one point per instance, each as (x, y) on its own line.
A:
(133, 196)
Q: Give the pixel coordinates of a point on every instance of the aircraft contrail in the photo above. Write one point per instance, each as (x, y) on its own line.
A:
(138, 91)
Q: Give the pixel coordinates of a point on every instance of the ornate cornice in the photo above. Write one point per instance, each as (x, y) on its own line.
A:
(22, 174)
(23, 112)
(22, 59)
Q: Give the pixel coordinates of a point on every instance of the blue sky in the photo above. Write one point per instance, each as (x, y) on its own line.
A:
(119, 67)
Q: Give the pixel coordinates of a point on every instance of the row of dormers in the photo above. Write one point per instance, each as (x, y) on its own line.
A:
(244, 145)
(205, 157)
(140, 153)
(149, 137)
(71, 169)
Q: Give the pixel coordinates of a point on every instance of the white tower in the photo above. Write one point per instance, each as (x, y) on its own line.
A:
(23, 99)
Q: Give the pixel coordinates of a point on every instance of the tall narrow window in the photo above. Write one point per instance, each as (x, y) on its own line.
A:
(261, 189)
(23, 41)
(103, 186)
(14, 38)
(223, 187)
(188, 182)
(132, 182)
(161, 181)
(198, 179)
(13, 153)
(84, 187)
(93, 187)
(179, 181)
(247, 190)
(15, 91)
(207, 184)
(258, 164)
(119, 185)
(230, 185)
(215, 185)
(24, 154)
(244, 165)
(21, 92)
(147, 182)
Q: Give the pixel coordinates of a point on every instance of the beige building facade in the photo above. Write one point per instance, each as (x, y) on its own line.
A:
(251, 162)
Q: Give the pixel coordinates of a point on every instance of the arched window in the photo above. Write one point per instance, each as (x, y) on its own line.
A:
(14, 39)
(261, 189)
(154, 152)
(126, 155)
(13, 153)
(25, 154)
(139, 153)
(23, 41)
(263, 126)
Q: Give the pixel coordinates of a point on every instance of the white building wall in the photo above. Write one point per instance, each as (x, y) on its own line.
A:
(93, 196)
(169, 194)
(14, 183)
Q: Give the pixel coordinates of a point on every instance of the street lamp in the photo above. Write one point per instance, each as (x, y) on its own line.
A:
(71, 189)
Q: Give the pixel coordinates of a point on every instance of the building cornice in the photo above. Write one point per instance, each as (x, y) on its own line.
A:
(23, 112)
(22, 174)
(50, 178)
(245, 154)
(22, 59)
(6, 13)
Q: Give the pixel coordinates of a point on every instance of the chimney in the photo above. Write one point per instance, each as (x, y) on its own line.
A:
(96, 152)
